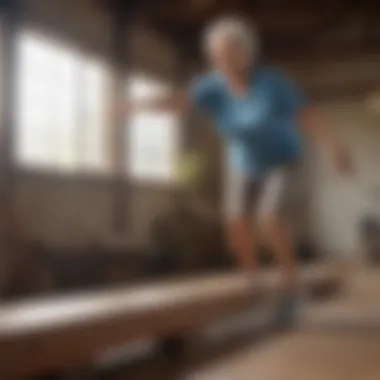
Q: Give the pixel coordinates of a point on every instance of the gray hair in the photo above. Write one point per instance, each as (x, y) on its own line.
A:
(235, 28)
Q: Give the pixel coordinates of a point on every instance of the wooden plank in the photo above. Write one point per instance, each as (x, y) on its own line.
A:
(62, 332)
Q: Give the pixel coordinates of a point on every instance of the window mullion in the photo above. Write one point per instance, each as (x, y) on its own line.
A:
(81, 117)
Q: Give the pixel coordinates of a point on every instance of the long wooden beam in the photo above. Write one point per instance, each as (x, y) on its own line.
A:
(58, 333)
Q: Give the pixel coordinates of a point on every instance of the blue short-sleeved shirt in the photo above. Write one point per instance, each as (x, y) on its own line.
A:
(261, 127)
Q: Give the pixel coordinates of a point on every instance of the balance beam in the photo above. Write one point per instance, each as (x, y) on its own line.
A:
(64, 332)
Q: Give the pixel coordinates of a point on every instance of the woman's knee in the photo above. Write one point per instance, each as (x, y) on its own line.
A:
(268, 222)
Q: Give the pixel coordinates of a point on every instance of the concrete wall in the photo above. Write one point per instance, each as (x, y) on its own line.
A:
(65, 211)
(336, 204)
(339, 203)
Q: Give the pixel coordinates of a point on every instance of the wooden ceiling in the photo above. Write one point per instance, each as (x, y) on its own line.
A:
(284, 25)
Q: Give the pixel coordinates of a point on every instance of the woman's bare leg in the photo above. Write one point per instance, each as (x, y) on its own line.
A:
(241, 238)
(280, 241)
(274, 225)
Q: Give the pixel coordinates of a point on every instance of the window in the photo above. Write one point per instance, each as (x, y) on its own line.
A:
(153, 136)
(61, 107)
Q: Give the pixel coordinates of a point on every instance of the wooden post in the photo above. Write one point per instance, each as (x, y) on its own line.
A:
(121, 193)
(10, 12)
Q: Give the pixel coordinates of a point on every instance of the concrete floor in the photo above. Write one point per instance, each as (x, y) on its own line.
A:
(337, 340)
(301, 355)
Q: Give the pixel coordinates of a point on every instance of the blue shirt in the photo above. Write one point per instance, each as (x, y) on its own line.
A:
(261, 127)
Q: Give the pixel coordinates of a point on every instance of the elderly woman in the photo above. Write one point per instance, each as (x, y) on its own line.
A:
(260, 113)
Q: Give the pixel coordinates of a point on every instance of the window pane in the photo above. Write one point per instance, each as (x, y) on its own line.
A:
(61, 103)
(46, 106)
(153, 137)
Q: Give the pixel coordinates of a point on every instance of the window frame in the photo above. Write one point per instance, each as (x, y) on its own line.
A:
(108, 170)
(82, 58)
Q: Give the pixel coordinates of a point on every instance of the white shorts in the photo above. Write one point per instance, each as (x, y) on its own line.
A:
(274, 193)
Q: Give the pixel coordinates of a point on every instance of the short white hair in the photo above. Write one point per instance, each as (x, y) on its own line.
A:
(232, 27)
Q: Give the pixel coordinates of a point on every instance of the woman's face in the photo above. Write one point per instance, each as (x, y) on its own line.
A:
(229, 57)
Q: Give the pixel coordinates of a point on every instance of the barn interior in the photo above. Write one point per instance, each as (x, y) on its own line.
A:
(111, 255)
